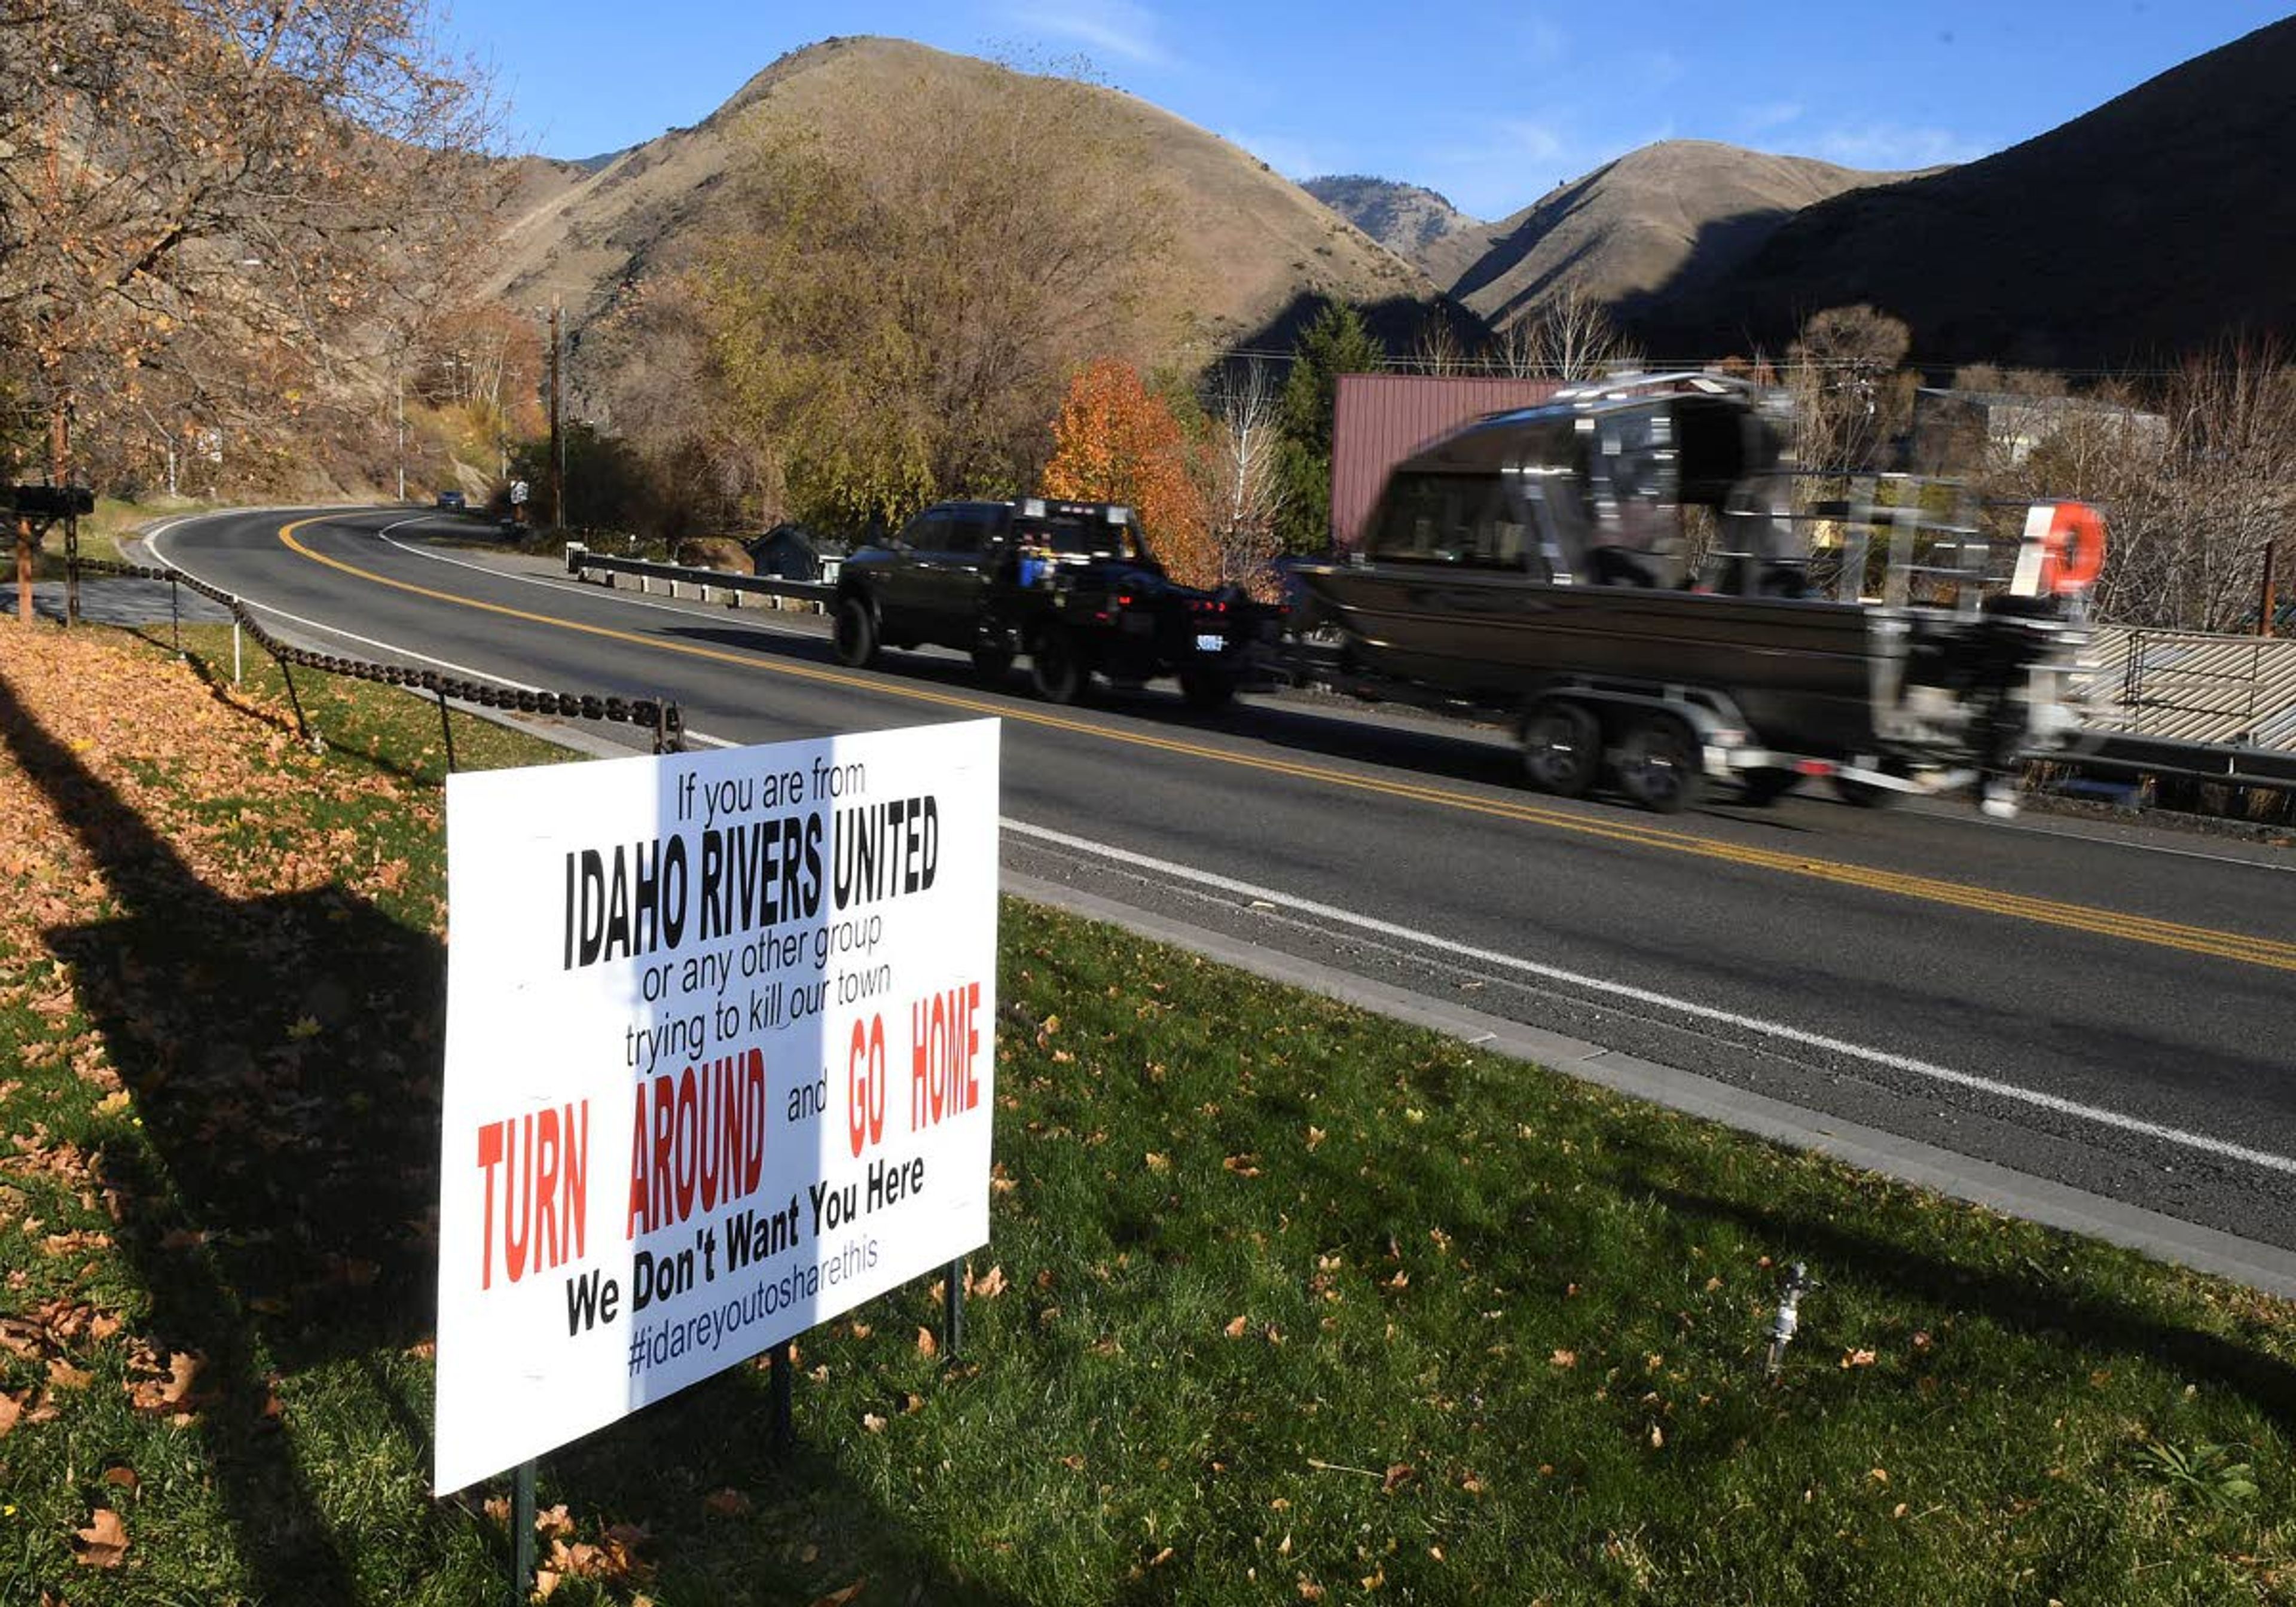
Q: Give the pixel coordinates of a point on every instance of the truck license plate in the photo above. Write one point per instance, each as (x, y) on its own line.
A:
(1211, 641)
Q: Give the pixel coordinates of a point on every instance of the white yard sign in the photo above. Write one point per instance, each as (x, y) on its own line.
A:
(719, 1050)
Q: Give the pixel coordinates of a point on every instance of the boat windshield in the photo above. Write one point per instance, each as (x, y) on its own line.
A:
(1467, 520)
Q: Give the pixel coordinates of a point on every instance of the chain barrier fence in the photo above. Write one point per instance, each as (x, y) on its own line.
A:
(659, 717)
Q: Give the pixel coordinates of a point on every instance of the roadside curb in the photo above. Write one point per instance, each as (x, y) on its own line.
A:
(2266, 1267)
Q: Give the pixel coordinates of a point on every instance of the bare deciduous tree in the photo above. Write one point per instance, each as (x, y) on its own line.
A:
(1569, 336)
(206, 203)
(1244, 482)
(2195, 490)
(1842, 372)
(1438, 347)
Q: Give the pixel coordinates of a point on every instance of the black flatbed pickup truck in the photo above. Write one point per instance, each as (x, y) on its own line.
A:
(1070, 585)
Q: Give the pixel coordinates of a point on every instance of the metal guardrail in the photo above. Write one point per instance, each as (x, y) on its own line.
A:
(658, 716)
(2222, 764)
(582, 562)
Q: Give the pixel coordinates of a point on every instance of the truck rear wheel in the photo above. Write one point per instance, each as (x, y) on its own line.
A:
(1561, 749)
(1659, 764)
(1207, 689)
(1056, 668)
(856, 633)
(1759, 789)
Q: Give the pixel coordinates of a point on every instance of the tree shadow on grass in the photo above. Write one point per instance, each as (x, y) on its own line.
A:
(276, 1212)
(309, 690)
(282, 1213)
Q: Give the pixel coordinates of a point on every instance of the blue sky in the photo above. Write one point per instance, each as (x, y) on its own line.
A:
(1491, 103)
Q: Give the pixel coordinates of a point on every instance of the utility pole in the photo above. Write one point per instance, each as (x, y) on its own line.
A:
(399, 383)
(2270, 599)
(557, 440)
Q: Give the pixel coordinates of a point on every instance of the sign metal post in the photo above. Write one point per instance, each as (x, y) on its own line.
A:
(521, 1535)
(782, 1365)
(952, 1310)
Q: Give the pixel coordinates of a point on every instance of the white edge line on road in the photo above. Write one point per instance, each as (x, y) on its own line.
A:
(152, 541)
(2067, 831)
(2200, 1142)
(2146, 848)
(2259, 1265)
(1440, 727)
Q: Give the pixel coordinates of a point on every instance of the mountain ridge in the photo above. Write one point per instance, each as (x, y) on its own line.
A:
(1250, 246)
(2148, 226)
(1408, 219)
(2154, 223)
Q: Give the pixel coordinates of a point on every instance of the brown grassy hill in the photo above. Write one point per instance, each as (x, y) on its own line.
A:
(1676, 213)
(1408, 219)
(1250, 244)
(533, 182)
(2148, 226)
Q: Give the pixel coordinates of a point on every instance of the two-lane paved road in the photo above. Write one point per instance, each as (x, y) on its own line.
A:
(2107, 1006)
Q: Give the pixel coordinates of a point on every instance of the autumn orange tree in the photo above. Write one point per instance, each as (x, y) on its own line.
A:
(1114, 440)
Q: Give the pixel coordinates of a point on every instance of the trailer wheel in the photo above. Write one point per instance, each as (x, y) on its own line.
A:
(1759, 789)
(1561, 748)
(856, 633)
(1863, 795)
(1207, 689)
(1658, 764)
(1055, 667)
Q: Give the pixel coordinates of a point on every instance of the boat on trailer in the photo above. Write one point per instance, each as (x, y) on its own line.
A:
(1624, 570)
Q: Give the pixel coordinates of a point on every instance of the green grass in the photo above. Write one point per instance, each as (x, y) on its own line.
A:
(1296, 1301)
(391, 731)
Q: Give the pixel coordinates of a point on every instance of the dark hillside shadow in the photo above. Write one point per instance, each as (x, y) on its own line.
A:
(1726, 298)
(1525, 300)
(1511, 247)
(1722, 245)
(1394, 323)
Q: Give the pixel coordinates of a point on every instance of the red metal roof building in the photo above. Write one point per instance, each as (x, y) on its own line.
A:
(1381, 419)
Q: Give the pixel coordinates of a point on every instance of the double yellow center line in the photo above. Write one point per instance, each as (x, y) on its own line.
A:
(2270, 953)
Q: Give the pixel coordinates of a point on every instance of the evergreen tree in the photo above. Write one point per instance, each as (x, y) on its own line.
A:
(1337, 342)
